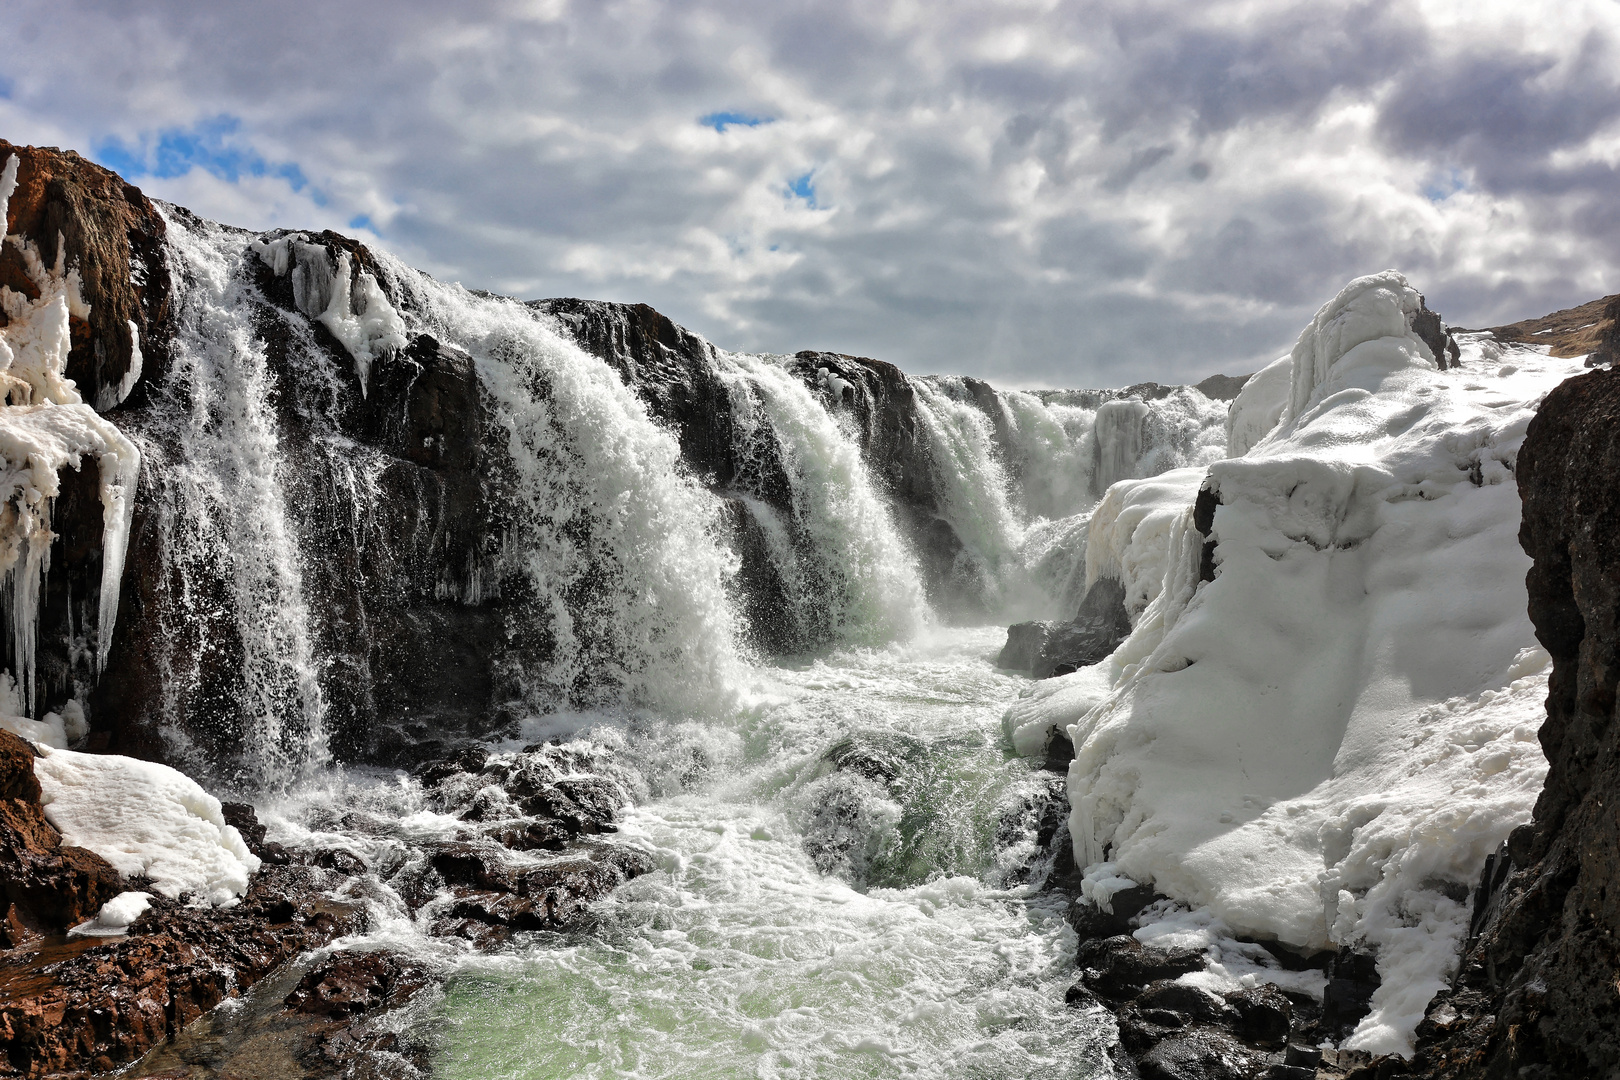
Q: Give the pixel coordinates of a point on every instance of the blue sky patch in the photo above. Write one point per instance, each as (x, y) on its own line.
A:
(208, 145)
(804, 187)
(722, 120)
(362, 221)
(1443, 186)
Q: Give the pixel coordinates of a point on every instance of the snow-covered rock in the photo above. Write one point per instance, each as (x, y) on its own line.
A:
(44, 428)
(146, 820)
(1324, 742)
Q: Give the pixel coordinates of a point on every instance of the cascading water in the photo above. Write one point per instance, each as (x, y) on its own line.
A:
(843, 842)
(217, 482)
(1019, 471)
(848, 576)
(617, 551)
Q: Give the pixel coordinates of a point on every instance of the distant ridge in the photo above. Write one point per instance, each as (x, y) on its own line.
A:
(1587, 330)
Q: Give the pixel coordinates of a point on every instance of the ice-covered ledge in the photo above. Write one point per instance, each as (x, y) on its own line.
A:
(46, 427)
(1322, 744)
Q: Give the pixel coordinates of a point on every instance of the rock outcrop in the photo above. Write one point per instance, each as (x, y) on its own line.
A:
(1591, 330)
(91, 1005)
(45, 886)
(1046, 649)
(1538, 992)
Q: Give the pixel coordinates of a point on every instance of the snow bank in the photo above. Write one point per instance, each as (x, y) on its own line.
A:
(44, 428)
(1323, 743)
(145, 819)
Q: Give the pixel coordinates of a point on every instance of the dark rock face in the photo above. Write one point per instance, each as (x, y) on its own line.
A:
(407, 617)
(1427, 325)
(1538, 991)
(1222, 387)
(1046, 649)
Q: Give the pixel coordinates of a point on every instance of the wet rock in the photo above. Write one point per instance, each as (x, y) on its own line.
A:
(1188, 1002)
(1025, 642)
(1120, 968)
(1047, 649)
(1200, 1055)
(349, 984)
(92, 1004)
(17, 779)
(880, 756)
(242, 817)
(1091, 921)
(1264, 1015)
(45, 887)
(1352, 979)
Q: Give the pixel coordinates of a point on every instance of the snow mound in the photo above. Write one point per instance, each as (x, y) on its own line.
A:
(145, 819)
(1259, 406)
(1322, 744)
(116, 915)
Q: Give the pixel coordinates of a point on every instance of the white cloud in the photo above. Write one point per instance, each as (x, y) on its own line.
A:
(1038, 192)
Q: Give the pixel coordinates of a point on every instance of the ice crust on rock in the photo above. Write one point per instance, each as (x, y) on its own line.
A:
(45, 427)
(351, 305)
(146, 820)
(1322, 744)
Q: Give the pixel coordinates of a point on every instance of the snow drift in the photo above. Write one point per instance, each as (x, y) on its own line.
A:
(1322, 743)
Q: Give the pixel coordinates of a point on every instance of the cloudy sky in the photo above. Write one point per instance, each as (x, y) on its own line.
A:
(1042, 193)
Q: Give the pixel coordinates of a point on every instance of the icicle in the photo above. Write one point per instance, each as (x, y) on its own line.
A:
(45, 429)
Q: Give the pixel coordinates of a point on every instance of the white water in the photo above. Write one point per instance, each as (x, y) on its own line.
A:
(1019, 505)
(803, 920)
(806, 919)
(217, 481)
(849, 576)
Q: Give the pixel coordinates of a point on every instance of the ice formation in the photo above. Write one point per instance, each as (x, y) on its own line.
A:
(1322, 744)
(351, 305)
(44, 428)
(146, 820)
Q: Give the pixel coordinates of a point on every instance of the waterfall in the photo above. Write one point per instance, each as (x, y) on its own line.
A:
(235, 656)
(847, 575)
(611, 548)
(1018, 472)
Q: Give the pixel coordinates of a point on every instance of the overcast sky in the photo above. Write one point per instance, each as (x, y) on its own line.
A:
(1044, 194)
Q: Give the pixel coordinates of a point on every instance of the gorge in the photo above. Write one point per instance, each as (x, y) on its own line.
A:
(588, 699)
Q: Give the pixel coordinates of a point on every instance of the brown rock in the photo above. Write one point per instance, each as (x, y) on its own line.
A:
(94, 1004)
(350, 984)
(17, 779)
(113, 237)
(47, 886)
